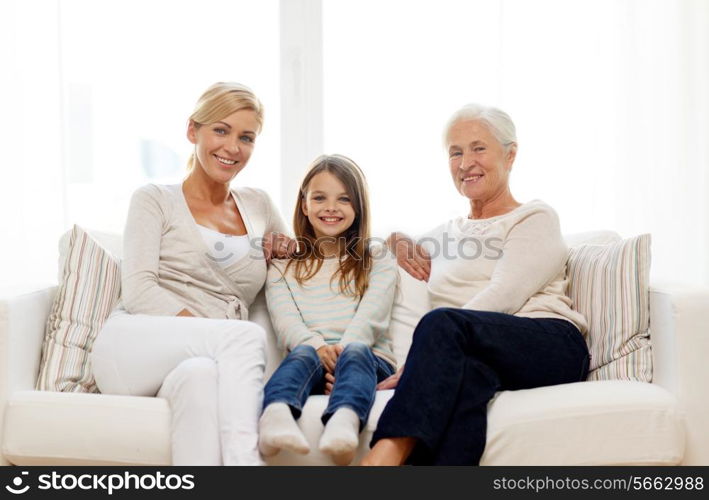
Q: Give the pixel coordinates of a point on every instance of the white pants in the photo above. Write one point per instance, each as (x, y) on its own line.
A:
(210, 371)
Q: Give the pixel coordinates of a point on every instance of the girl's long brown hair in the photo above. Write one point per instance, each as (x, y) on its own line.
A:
(356, 259)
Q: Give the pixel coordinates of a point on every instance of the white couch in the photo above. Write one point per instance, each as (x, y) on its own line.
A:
(586, 423)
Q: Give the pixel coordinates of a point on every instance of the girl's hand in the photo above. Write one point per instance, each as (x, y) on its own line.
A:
(413, 258)
(329, 377)
(328, 355)
(278, 246)
(329, 383)
(390, 382)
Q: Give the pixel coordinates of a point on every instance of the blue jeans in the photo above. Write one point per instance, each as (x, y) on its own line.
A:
(458, 359)
(301, 374)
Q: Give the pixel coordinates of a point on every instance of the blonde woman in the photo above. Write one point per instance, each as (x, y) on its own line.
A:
(192, 265)
(330, 305)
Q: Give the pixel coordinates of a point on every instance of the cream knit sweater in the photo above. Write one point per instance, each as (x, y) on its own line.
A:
(166, 265)
(513, 263)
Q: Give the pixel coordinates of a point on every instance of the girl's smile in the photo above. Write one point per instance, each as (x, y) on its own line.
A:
(331, 220)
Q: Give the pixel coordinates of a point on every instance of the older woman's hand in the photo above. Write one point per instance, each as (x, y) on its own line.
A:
(329, 383)
(413, 258)
(390, 382)
(278, 246)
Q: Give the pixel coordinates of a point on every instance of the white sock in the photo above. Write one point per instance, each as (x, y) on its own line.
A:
(279, 430)
(341, 436)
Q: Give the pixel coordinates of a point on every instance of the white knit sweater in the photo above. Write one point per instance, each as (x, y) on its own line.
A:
(513, 263)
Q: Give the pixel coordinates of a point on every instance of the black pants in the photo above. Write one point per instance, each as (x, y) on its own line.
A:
(458, 359)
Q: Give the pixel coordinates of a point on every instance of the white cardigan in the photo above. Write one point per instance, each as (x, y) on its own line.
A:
(166, 267)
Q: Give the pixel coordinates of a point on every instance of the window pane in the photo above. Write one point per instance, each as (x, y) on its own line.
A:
(132, 71)
(565, 71)
(388, 94)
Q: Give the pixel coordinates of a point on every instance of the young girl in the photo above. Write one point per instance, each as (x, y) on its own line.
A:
(330, 305)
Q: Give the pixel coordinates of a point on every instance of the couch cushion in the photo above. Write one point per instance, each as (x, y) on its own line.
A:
(111, 242)
(86, 429)
(88, 290)
(610, 286)
(586, 423)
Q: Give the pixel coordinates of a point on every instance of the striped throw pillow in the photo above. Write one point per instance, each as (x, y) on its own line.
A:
(88, 291)
(609, 285)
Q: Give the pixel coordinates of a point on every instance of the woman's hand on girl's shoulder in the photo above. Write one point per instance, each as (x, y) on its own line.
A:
(278, 246)
(413, 258)
(390, 382)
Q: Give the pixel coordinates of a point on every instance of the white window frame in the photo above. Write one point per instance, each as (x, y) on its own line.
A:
(301, 93)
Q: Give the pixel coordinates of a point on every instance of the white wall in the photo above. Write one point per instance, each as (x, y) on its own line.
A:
(31, 178)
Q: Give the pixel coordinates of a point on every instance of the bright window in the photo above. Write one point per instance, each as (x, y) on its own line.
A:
(608, 96)
(132, 71)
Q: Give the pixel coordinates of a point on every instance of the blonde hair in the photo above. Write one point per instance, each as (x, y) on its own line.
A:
(221, 100)
(358, 258)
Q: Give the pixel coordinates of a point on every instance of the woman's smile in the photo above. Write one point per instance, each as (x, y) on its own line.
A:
(479, 163)
(473, 178)
(225, 161)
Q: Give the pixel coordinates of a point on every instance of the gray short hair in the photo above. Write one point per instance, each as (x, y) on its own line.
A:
(499, 122)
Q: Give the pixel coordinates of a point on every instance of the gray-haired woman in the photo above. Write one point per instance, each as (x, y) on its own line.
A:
(502, 320)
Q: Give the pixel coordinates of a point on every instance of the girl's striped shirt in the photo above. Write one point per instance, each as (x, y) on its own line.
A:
(317, 314)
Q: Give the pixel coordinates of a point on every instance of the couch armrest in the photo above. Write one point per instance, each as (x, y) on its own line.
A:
(22, 321)
(679, 326)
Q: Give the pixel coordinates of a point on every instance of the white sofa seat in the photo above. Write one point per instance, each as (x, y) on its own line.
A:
(610, 422)
(86, 429)
(586, 423)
